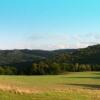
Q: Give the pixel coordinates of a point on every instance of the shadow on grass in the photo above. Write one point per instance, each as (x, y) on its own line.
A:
(97, 73)
(83, 77)
(89, 86)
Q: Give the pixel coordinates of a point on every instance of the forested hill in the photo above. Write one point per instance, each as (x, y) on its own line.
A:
(40, 62)
(89, 55)
(26, 55)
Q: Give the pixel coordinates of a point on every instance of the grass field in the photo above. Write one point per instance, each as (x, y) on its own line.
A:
(70, 86)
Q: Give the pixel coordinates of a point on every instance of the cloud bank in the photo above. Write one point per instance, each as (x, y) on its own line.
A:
(51, 42)
(63, 41)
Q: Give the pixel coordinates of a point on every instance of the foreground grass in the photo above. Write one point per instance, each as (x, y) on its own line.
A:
(71, 86)
(48, 96)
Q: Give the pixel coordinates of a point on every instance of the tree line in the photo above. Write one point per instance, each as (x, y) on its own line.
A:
(37, 62)
(43, 68)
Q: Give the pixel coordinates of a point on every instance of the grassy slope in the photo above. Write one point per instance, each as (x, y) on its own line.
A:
(71, 86)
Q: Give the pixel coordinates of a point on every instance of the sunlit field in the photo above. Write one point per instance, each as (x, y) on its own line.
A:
(69, 86)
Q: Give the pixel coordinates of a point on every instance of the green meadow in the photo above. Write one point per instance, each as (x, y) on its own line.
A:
(69, 86)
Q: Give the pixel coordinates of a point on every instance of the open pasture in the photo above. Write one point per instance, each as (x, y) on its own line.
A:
(69, 86)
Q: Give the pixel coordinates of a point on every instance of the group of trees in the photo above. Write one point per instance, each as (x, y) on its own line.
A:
(39, 62)
(43, 68)
(6, 70)
(56, 68)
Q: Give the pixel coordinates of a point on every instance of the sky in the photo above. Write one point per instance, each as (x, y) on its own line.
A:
(49, 24)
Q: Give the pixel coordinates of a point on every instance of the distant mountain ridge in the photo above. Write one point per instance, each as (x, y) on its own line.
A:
(89, 55)
(45, 62)
(26, 55)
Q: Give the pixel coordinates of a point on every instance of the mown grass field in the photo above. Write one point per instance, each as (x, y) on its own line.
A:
(70, 86)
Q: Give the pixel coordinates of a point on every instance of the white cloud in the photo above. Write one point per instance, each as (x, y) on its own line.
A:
(66, 41)
(50, 42)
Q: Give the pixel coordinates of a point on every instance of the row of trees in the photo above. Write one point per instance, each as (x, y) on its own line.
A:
(56, 68)
(43, 68)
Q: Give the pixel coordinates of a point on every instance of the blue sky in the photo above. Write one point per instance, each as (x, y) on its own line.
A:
(49, 24)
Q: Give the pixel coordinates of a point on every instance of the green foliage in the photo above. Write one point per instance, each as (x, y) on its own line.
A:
(55, 68)
(7, 70)
(39, 62)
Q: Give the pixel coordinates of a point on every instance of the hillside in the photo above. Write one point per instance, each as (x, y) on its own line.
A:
(40, 62)
(89, 55)
(26, 55)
